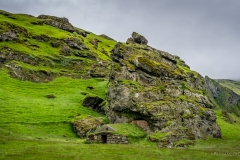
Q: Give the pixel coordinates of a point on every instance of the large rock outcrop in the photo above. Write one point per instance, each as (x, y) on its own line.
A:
(155, 86)
(61, 23)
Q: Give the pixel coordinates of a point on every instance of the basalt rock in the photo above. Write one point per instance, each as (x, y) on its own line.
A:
(41, 38)
(151, 85)
(8, 36)
(94, 103)
(137, 38)
(61, 23)
(8, 54)
(75, 44)
(82, 33)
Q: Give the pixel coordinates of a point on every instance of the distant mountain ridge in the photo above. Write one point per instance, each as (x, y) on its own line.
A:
(231, 84)
(222, 93)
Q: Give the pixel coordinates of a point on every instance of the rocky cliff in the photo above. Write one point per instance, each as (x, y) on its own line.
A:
(155, 86)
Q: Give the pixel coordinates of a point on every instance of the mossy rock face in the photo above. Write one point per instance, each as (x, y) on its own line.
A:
(86, 125)
(95, 103)
(61, 23)
(137, 38)
(151, 85)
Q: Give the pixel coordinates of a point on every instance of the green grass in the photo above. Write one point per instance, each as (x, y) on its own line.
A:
(25, 110)
(48, 56)
(185, 69)
(160, 136)
(233, 85)
(24, 21)
(103, 45)
(132, 131)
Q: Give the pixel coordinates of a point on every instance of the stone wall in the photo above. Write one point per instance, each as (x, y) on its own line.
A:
(110, 139)
(120, 139)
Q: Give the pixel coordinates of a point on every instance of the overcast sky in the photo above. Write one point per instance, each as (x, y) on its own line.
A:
(204, 33)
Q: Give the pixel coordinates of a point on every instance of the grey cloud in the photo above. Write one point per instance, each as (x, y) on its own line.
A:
(204, 33)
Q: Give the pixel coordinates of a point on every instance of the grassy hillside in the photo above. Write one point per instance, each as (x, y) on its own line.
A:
(222, 96)
(231, 84)
(42, 52)
(23, 144)
(26, 111)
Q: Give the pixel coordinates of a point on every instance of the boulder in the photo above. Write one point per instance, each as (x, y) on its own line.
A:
(75, 44)
(87, 125)
(65, 50)
(61, 23)
(137, 38)
(41, 38)
(8, 36)
(82, 33)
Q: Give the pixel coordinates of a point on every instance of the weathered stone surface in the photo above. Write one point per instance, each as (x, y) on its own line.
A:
(84, 126)
(11, 31)
(82, 33)
(109, 139)
(65, 50)
(149, 85)
(94, 102)
(2, 60)
(61, 23)
(94, 42)
(41, 38)
(23, 74)
(137, 38)
(9, 54)
(8, 36)
(75, 44)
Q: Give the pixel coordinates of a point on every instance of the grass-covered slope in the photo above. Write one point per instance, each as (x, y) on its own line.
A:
(16, 146)
(26, 110)
(231, 84)
(222, 96)
(33, 50)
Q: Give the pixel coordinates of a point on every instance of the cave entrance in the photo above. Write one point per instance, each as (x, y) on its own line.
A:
(104, 138)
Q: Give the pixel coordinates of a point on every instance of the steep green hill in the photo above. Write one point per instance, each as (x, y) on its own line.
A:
(222, 96)
(33, 50)
(231, 84)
